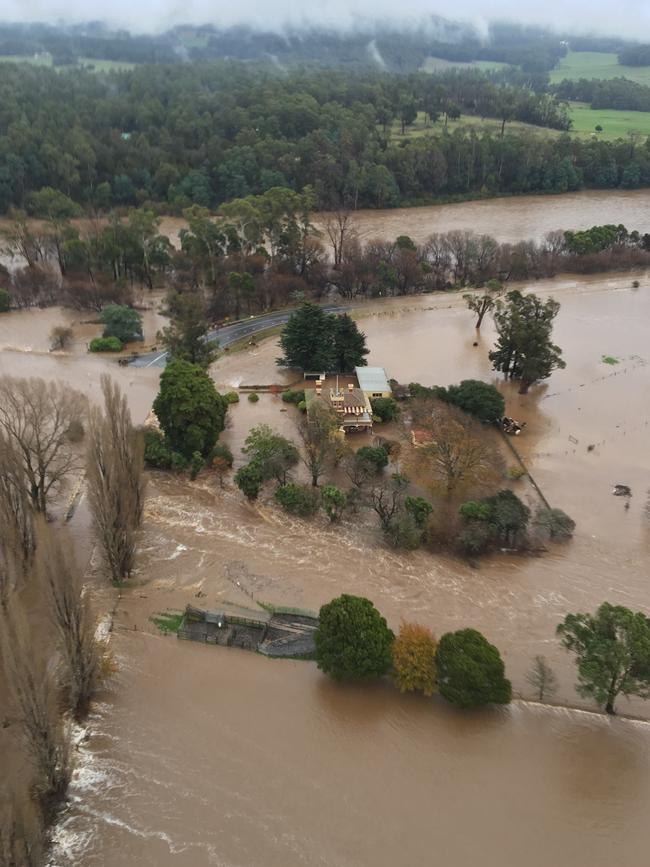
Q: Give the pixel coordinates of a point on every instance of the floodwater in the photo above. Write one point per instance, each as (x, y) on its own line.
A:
(202, 756)
(519, 218)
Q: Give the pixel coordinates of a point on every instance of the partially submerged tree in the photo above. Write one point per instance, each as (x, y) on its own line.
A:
(353, 641)
(114, 460)
(414, 659)
(17, 541)
(186, 336)
(470, 670)
(72, 619)
(272, 453)
(524, 350)
(37, 417)
(34, 695)
(190, 410)
(60, 337)
(320, 446)
(482, 302)
(542, 678)
(612, 650)
(122, 322)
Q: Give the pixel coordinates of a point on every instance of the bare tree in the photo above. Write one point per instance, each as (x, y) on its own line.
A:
(460, 454)
(72, 620)
(16, 519)
(542, 678)
(339, 226)
(114, 467)
(21, 837)
(33, 690)
(386, 499)
(320, 446)
(36, 416)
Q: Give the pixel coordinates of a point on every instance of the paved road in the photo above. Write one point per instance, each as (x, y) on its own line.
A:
(228, 334)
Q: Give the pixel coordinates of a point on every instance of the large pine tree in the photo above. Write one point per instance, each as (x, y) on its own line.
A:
(320, 342)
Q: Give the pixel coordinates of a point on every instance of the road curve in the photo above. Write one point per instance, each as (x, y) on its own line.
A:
(229, 334)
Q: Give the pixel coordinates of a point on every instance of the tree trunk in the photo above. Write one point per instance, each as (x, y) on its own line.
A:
(609, 707)
(523, 388)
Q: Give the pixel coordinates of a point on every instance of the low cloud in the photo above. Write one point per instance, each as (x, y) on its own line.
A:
(626, 17)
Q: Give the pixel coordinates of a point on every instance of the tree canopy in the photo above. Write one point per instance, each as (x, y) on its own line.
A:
(190, 410)
(121, 322)
(317, 341)
(414, 659)
(353, 641)
(524, 350)
(470, 670)
(612, 650)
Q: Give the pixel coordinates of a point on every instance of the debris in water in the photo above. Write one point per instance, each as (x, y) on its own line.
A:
(622, 491)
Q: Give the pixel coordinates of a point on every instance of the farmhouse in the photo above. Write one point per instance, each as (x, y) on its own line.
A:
(349, 395)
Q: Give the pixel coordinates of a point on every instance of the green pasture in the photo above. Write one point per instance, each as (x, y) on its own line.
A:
(596, 64)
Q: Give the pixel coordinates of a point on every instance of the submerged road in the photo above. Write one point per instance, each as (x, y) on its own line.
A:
(229, 334)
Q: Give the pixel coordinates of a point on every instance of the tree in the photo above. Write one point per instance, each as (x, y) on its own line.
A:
(300, 500)
(72, 619)
(349, 344)
(320, 446)
(5, 301)
(524, 350)
(307, 340)
(60, 337)
(459, 455)
(478, 399)
(34, 694)
(114, 460)
(414, 659)
(334, 502)
(36, 417)
(186, 337)
(470, 670)
(612, 650)
(554, 523)
(338, 227)
(249, 480)
(17, 540)
(122, 322)
(273, 454)
(483, 303)
(508, 516)
(190, 410)
(385, 408)
(542, 678)
(353, 641)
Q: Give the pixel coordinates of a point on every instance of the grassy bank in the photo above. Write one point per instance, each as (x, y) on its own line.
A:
(596, 64)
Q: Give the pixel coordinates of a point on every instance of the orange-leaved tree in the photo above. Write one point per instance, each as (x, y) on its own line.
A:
(414, 659)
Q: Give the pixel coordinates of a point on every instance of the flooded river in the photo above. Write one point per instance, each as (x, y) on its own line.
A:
(202, 756)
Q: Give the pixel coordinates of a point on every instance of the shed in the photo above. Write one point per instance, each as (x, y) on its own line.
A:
(373, 381)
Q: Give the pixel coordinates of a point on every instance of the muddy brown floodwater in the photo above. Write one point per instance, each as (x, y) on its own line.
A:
(202, 756)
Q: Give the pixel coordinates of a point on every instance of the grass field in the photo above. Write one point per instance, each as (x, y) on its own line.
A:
(594, 64)
(615, 124)
(46, 60)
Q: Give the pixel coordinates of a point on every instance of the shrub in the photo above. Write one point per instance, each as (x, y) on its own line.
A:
(385, 408)
(334, 501)
(253, 397)
(196, 465)
(402, 531)
(414, 659)
(420, 509)
(375, 456)
(475, 511)
(122, 322)
(515, 472)
(249, 480)
(105, 344)
(293, 395)
(222, 451)
(470, 670)
(302, 500)
(60, 337)
(476, 398)
(231, 397)
(635, 285)
(302, 406)
(475, 538)
(555, 523)
(353, 641)
(157, 452)
(5, 301)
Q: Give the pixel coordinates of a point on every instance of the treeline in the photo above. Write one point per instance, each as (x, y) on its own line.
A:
(617, 93)
(634, 55)
(207, 133)
(263, 253)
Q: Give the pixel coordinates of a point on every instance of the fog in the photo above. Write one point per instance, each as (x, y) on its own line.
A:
(626, 17)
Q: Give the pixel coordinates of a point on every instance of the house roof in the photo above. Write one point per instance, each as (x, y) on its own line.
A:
(351, 398)
(372, 378)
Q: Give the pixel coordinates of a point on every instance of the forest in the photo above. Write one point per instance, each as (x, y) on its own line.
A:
(206, 133)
